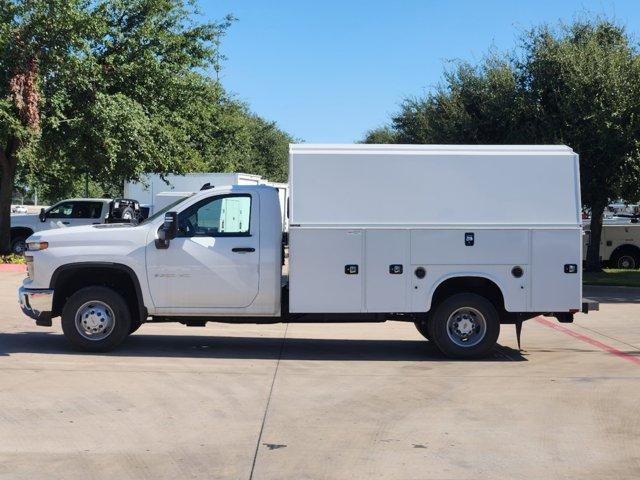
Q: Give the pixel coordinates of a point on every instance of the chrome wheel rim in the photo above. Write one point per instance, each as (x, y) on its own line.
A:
(95, 320)
(466, 327)
(626, 261)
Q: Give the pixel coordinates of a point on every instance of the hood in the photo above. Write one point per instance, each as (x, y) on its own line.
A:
(93, 235)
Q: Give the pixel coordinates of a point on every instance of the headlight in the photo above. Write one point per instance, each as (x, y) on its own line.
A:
(32, 246)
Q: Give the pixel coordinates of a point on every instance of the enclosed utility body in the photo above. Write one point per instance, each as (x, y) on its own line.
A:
(366, 221)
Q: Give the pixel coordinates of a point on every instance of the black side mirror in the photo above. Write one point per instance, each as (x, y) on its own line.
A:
(168, 230)
(170, 226)
(42, 215)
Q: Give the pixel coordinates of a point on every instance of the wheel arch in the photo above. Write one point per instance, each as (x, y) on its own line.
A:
(480, 284)
(22, 231)
(68, 279)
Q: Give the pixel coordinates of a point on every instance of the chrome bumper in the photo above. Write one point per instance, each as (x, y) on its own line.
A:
(37, 304)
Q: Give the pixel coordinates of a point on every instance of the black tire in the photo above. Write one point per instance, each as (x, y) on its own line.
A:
(475, 310)
(135, 325)
(19, 245)
(128, 213)
(119, 318)
(422, 326)
(626, 259)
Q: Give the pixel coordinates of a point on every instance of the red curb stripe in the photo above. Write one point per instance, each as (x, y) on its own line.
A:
(589, 340)
(12, 267)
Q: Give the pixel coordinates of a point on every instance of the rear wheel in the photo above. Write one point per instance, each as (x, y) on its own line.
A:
(625, 259)
(465, 325)
(96, 319)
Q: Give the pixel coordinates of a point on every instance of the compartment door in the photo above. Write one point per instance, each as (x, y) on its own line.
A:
(388, 270)
(553, 290)
(317, 278)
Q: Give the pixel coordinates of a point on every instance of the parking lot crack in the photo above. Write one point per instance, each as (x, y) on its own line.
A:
(266, 408)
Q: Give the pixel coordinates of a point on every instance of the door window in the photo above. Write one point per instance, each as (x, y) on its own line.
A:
(224, 216)
(76, 210)
(86, 210)
(62, 210)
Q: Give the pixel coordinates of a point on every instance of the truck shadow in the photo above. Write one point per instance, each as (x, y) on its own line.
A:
(607, 294)
(192, 346)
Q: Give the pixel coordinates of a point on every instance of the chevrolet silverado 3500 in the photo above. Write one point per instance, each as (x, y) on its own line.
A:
(457, 239)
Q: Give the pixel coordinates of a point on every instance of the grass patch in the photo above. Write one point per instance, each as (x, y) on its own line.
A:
(614, 277)
(12, 258)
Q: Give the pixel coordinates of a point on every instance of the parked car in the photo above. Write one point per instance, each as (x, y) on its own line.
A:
(71, 213)
(451, 238)
(19, 209)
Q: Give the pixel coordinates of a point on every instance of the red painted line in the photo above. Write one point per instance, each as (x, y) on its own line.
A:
(589, 340)
(12, 267)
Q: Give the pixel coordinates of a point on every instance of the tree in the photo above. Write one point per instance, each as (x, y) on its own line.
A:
(112, 89)
(577, 85)
(585, 82)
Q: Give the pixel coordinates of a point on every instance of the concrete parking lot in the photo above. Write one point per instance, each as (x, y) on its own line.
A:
(343, 401)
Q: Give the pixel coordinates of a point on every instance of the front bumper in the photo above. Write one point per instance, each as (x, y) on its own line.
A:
(37, 304)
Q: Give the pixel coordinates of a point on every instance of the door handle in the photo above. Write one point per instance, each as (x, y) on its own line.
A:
(243, 249)
(65, 223)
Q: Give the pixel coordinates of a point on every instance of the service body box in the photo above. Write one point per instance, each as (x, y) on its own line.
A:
(386, 210)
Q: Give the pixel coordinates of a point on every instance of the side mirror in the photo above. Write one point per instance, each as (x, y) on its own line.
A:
(42, 215)
(168, 230)
(170, 226)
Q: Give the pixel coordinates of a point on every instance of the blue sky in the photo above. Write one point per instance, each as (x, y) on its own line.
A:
(327, 71)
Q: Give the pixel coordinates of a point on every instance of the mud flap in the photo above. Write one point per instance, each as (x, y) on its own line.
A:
(518, 332)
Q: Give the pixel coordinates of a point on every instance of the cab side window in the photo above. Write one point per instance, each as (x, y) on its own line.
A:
(62, 210)
(224, 216)
(86, 210)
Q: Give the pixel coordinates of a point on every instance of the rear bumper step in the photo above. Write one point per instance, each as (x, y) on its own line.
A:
(589, 305)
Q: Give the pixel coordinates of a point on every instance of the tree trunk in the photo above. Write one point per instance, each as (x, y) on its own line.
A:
(8, 171)
(593, 250)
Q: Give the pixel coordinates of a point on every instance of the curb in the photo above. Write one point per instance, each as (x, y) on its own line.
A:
(12, 267)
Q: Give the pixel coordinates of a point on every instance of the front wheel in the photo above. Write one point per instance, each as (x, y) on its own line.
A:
(19, 245)
(465, 325)
(96, 319)
(422, 326)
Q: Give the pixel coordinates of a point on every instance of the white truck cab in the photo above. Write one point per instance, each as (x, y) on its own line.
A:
(417, 238)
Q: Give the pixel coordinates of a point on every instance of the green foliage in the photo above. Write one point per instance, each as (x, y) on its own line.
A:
(12, 258)
(577, 85)
(612, 277)
(108, 90)
(381, 135)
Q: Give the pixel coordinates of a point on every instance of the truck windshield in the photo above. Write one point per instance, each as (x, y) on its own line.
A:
(165, 209)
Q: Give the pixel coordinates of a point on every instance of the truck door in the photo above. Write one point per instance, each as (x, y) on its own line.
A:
(214, 262)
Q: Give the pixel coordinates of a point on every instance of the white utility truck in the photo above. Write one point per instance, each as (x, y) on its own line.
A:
(71, 212)
(457, 239)
(619, 245)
